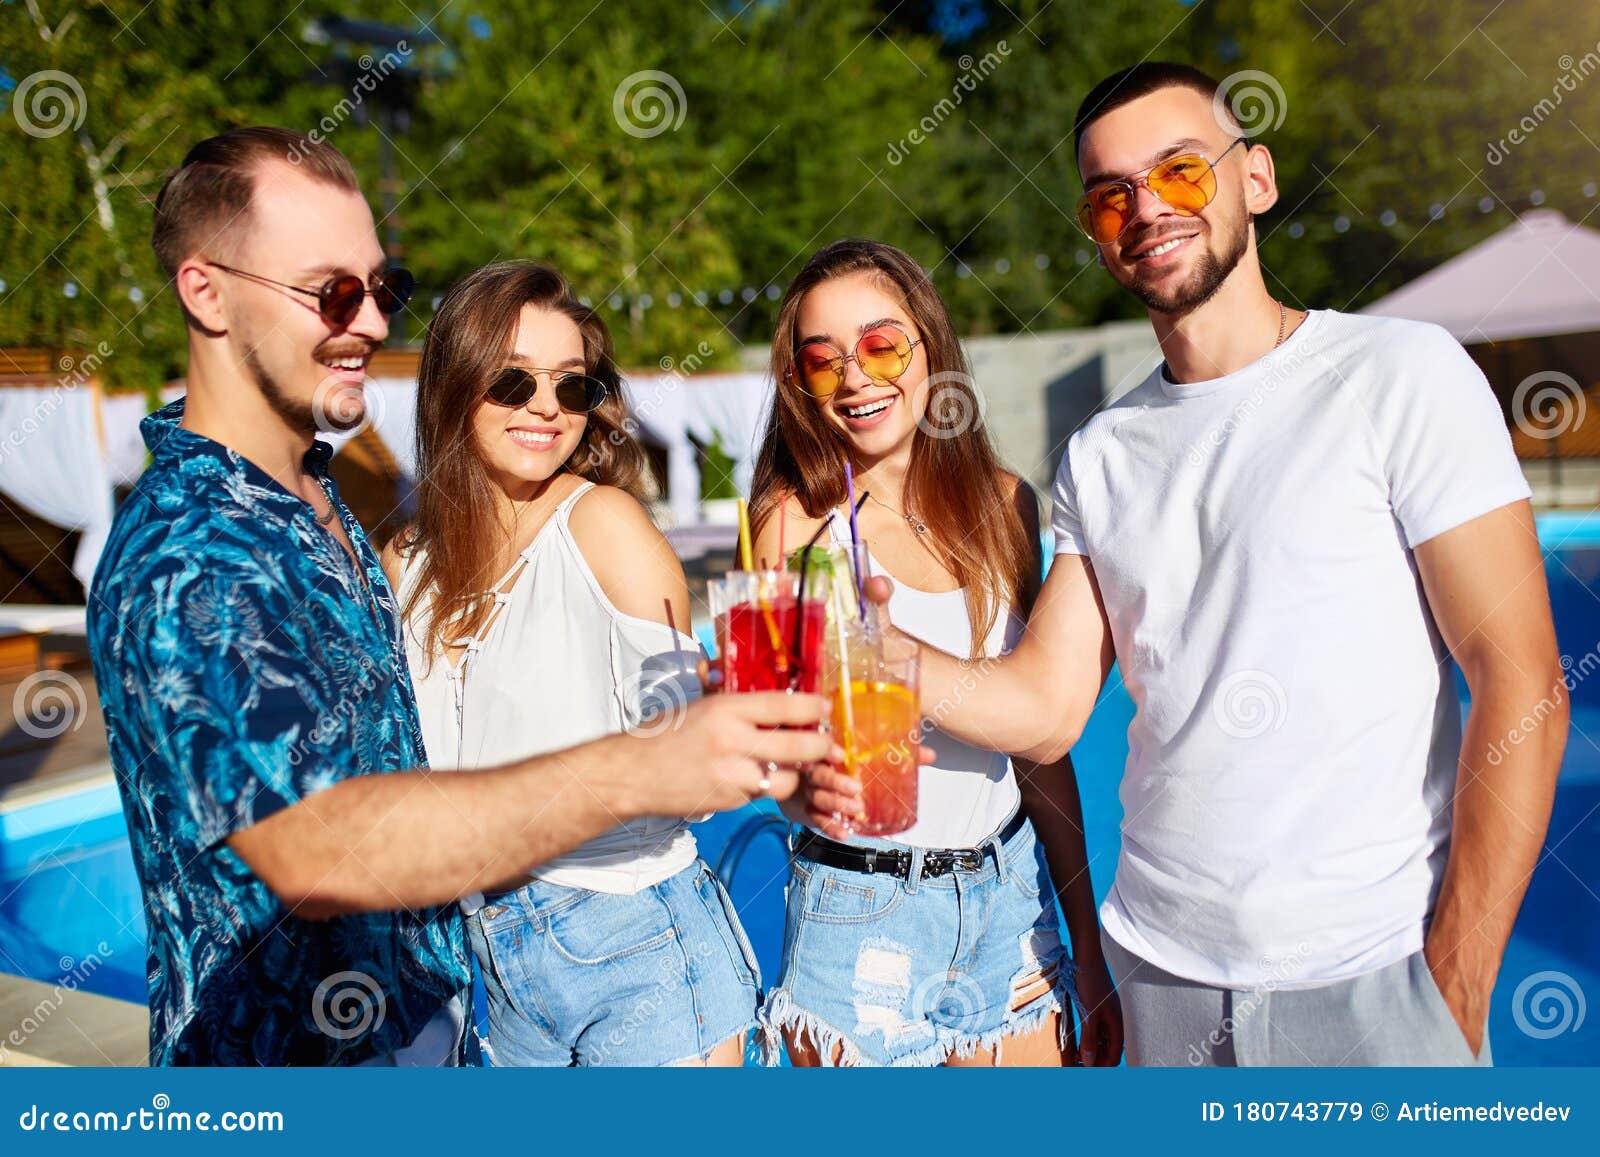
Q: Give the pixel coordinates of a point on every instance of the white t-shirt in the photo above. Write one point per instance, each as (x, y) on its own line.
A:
(1294, 745)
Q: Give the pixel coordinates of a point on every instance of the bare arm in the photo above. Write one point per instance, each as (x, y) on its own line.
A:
(1034, 702)
(1050, 799)
(417, 838)
(633, 561)
(1485, 584)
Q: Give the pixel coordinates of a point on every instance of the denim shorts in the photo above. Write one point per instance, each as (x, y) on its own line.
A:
(575, 977)
(915, 971)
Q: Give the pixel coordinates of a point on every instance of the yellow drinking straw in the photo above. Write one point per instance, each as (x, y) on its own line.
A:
(775, 636)
(744, 536)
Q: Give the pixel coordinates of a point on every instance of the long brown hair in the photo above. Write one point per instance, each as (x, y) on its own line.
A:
(457, 521)
(953, 481)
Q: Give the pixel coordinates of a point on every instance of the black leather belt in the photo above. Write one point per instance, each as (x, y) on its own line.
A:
(897, 861)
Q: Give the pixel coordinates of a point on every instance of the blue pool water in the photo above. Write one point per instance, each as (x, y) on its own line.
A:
(68, 896)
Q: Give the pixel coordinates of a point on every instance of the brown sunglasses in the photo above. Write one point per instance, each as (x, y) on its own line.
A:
(339, 299)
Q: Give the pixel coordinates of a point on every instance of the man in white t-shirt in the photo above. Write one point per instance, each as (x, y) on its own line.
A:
(1283, 536)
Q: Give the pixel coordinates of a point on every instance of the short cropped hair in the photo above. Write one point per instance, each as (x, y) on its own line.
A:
(205, 201)
(1130, 84)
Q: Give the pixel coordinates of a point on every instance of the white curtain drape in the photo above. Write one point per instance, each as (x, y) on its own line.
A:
(670, 409)
(51, 464)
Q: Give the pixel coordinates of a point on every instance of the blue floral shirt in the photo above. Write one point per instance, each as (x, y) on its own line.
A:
(243, 665)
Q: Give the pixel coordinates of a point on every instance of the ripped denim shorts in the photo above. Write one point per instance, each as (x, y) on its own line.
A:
(890, 971)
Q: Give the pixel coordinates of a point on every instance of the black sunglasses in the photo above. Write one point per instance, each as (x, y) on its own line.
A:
(340, 298)
(575, 393)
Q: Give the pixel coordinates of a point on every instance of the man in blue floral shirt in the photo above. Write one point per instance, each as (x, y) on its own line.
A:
(298, 861)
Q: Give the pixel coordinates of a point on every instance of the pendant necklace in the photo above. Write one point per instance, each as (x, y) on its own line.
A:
(918, 527)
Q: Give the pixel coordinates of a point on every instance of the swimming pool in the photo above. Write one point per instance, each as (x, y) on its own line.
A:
(68, 894)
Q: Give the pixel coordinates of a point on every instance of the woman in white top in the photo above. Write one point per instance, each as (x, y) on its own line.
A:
(942, 945)
(543, 609)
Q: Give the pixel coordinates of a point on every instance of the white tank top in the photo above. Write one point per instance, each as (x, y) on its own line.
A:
(556, 665)
(967, 793)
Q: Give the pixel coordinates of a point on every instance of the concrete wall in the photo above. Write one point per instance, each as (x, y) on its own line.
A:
(1038, 388)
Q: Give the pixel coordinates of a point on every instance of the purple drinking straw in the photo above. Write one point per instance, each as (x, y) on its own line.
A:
(855, 541)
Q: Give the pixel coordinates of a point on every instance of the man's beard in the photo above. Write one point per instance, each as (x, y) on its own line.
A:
(301, 417)
(1209, 274)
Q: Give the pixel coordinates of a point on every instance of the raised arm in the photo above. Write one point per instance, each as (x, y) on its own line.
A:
(274, 774)
(1485, 584)
(1034, 702)
(417, 838)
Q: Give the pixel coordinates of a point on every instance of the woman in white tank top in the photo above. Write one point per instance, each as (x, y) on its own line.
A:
(942, 945)
(542, 610)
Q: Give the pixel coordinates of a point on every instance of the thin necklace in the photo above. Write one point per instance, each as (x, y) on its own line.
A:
(1283, 323)
(916, 524)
